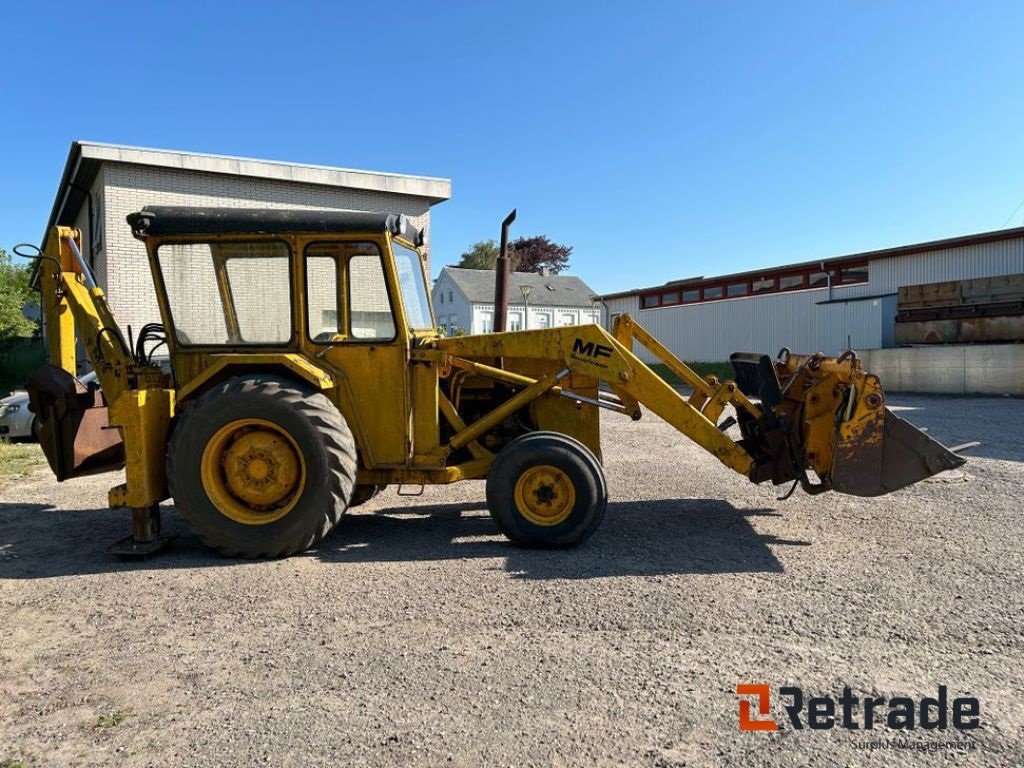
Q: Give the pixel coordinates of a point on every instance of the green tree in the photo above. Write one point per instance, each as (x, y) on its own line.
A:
(14, 294)
(482, 255)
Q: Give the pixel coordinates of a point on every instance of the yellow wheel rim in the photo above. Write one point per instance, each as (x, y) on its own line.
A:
(253, 472)
(545, 495)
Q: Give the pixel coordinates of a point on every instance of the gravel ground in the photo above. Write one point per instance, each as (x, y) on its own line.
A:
(417, 636)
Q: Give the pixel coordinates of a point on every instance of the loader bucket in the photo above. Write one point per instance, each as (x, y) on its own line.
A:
(73, 428)
(905, 455)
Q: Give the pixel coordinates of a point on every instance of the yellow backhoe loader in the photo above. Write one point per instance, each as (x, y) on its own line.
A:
(306, 373)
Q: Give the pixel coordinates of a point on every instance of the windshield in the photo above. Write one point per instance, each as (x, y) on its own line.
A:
(414, 287)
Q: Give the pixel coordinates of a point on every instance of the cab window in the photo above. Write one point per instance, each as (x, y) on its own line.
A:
(414, 287)
(346, 293)
(228, 293)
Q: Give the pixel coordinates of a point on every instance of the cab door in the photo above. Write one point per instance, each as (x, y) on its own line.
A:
(356, 334)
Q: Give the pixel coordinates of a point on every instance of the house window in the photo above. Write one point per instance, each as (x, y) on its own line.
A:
(790, 282)
(714, 292)
(515, 321)
(567, 318)
(736, 289)
(650, 301)
(672, 297)
(486, 322)
(691, 295)
(818, 280)
(543, 319)
(855, 274)
(96, 225)
(449, 297)
(763, 285)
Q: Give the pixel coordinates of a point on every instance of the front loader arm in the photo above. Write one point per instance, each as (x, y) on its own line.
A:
(811, 412)
(592, 351)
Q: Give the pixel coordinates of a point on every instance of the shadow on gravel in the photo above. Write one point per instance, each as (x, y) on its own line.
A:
(39, 541)
(640, 537)
(636, 538)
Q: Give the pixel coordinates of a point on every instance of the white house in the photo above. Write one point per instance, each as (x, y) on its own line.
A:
(464, 301)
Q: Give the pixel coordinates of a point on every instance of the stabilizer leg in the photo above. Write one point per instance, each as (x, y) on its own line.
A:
(145, 539)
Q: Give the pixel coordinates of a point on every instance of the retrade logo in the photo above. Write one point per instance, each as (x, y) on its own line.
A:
(900, 713)
(762, 695)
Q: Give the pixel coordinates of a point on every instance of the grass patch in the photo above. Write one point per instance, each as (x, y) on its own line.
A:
(111, 719)
(18, 460)
(722, 370)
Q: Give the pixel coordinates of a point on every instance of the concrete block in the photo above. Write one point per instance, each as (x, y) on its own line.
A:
(991, 369)
(995, 369)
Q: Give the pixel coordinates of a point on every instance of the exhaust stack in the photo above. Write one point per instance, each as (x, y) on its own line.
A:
(501, 269)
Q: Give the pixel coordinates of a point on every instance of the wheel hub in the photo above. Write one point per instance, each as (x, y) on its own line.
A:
(252, 471)
(261, 467)
(545, 495)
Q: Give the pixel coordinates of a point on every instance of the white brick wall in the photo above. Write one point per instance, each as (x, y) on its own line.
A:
(128, 188)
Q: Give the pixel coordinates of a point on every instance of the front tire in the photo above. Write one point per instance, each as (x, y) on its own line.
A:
(547, 490)
(260, 466)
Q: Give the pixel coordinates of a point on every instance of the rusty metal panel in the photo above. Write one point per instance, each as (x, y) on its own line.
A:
(978, 291)
(967, 311)
(74, 431)
(961, 330)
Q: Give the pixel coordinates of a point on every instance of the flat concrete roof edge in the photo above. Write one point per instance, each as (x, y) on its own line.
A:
(433, 188)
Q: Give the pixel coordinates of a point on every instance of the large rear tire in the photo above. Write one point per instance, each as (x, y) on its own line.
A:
(260, 466)
(547, 490)
(363, 493)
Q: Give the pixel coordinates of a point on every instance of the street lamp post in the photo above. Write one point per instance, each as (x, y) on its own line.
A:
(526, 306)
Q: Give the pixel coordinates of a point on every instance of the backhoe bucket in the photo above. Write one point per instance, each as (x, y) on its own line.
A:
(73, 428)
(905, 455)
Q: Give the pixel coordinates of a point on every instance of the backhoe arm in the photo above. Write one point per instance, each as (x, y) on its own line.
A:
(88, 430)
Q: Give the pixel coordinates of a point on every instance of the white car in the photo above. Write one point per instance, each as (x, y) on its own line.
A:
(17, 421)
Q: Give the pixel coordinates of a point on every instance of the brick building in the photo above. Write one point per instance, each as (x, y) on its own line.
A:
(103, 183)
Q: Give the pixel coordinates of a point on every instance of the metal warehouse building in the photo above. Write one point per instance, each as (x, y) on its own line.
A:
(826, 306)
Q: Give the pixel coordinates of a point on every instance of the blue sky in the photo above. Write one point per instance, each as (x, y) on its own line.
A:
(661, 141)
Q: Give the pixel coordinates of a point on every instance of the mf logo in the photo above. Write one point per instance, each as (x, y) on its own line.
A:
(763, 696)
(590, 349)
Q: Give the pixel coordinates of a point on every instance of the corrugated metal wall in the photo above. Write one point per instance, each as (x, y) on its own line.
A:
(711, 331)
(1003, 257)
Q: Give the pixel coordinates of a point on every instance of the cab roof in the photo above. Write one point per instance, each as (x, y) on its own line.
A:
(157, 220)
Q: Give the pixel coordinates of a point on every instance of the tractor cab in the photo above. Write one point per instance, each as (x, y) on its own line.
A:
(235, 278)
(336, 292)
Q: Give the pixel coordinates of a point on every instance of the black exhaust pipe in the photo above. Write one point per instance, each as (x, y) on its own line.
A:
(501, 277)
